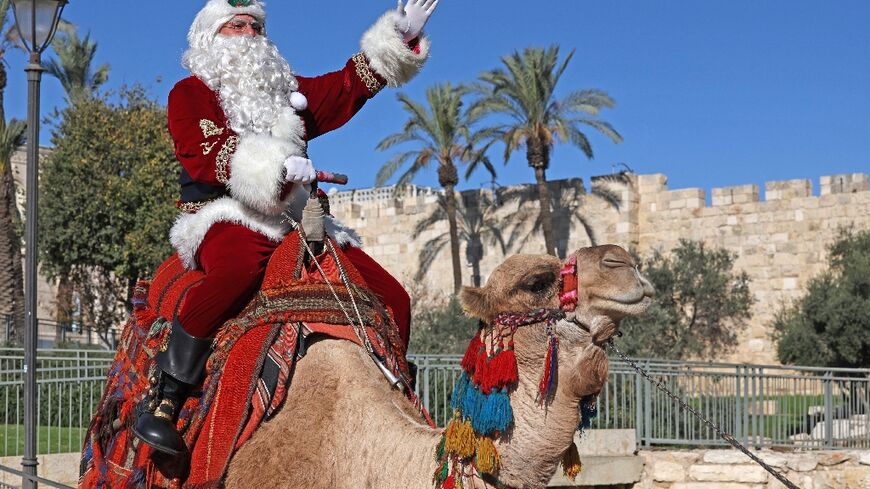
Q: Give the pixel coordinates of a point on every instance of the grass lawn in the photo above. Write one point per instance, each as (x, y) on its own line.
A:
(50, 440)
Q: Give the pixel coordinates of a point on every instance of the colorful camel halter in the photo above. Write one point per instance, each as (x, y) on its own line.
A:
(482, 411)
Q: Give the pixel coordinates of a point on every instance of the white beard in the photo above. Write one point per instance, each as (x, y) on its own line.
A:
(253, 80)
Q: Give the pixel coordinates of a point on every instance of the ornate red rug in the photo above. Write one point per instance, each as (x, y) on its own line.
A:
(247, 375)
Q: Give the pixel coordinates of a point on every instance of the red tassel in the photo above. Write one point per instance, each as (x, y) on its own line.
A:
(450, 483)
(545, 386)
(470, 358)
(501, 372)
(481, 364)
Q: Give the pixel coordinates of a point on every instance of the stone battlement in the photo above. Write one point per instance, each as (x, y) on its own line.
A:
(780, 235)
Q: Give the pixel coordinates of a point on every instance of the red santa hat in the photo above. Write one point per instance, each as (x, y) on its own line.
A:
(216, 13)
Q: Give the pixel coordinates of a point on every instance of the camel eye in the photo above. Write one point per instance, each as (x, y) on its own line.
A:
(613, 262)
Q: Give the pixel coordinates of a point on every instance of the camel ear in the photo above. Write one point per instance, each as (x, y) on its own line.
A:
(474, 302)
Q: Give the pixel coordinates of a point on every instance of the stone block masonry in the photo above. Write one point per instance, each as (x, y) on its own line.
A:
(730, 469)
(780, 235)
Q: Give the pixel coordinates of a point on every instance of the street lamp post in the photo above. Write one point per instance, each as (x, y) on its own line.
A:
(36, 21)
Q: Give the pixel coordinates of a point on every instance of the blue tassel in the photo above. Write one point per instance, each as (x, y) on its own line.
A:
(588, 412)
(554, 365)
(459, 392)
(473, 402)
(496, 414)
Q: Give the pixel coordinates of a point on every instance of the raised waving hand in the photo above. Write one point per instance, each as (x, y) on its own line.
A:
(412, 17)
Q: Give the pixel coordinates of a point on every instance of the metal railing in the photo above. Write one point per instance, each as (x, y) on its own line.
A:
(761, 405)
(69, 386)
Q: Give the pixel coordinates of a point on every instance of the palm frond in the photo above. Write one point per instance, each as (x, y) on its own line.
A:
(589, 101)
(73, 64)
(398, 138)
(429, 253)
(603, 127)
(392, 166)
(12, 137)
(608, 196)
(437, 215)
(587, 227)
(424, 157)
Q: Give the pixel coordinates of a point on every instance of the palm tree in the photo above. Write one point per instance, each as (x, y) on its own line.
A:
(442, 135)
(11, 274)
(477, 223)
(11, 138)
(568, 206)
(73, 66)
(524, 92)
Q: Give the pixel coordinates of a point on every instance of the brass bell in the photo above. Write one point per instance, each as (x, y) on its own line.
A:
(152, 405)
(152, 380)
(152, 392)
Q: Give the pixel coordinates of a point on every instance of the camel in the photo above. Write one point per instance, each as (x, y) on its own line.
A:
(343, 426)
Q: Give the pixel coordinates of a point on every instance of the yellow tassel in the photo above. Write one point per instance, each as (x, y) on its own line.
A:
(459, 439)
(466, 441)
(571, 465)
(487, 457)
(450, 438)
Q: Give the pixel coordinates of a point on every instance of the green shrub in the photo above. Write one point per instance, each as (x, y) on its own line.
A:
(830, 325)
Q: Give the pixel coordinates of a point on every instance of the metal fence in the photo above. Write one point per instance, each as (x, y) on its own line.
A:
(762, 405)
(69, 382)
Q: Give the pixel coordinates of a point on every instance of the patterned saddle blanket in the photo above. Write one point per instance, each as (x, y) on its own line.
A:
(247, 375)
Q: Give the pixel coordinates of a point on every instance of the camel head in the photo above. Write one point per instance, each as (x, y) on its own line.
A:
(609, 288)
(560, 361)
(609, 285)
(522, 283)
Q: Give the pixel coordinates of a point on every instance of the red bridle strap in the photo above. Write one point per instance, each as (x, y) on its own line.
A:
(568, 295)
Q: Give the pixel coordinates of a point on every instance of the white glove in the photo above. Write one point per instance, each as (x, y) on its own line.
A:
(411, 18)
(299, 170)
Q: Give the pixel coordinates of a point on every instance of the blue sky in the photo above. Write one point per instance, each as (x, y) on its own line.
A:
(710, 93)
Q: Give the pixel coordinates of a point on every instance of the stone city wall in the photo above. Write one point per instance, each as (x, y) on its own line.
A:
(730, 469)
(780, 236)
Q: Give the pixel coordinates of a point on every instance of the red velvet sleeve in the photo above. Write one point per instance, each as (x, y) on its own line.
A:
(204, 143)
(334, 98)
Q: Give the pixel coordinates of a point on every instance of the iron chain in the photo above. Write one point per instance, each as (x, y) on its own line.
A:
(713, 426)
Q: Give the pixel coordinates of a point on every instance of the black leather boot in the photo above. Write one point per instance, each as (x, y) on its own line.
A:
(180, 367)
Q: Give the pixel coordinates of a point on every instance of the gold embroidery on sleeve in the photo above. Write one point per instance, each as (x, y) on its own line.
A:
(209, 128)
(207, 147)
(223, 159)
(365, 73)
(192, 207)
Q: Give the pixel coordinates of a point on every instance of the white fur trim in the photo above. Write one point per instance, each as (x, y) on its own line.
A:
(290, 126)
(257, 171)
(215, 14)
(189, 229)
(388, 54)
(342, 234)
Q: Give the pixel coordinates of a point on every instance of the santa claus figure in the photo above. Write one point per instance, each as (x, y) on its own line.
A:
(241, 124)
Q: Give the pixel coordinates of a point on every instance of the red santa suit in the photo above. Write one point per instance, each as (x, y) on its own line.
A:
(233, 192)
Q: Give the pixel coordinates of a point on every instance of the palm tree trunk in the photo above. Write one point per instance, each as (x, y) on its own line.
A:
(450, 200)
(538, 156)
(448, 178)
(11, 267)
(11, 273)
